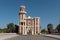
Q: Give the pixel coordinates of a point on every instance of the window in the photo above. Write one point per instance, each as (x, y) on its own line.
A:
(28, 23)
(21, 23)
(36, 21)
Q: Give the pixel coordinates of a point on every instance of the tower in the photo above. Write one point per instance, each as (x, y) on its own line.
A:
(22, 21)
(28, 25)
(22, 12)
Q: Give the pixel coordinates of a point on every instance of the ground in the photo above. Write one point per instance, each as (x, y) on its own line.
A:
(14, 36)
(30, 37)
(7, 35)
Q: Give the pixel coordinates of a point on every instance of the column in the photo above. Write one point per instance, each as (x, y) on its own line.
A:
(38, 25)
(20, 29)
(25, 33)
(35, 26)
(23, 29)
(32, 30)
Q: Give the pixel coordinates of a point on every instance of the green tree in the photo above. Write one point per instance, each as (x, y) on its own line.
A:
(43, 31)
(16, 28)
(0, 30)
(50, 28)
(11, 28)
(4, 30)
(58, 28)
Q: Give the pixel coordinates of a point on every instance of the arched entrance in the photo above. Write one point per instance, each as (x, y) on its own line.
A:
(29, 31)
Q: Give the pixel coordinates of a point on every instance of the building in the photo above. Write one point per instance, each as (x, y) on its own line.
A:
(28, 25)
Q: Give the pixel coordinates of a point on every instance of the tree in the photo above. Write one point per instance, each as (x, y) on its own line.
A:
(11, 28)
(58, 28)
(50, 28)
(16, 28)
(4, 30)
(43, 31)
(0, 30)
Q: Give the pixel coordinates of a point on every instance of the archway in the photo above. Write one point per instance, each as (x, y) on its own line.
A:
(29, 31)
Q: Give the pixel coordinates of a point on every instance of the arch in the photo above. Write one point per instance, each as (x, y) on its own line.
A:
(29, 31)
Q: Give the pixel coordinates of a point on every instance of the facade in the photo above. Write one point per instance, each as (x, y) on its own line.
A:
(28, 25)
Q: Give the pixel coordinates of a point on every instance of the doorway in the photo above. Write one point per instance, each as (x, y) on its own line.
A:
(29, 32)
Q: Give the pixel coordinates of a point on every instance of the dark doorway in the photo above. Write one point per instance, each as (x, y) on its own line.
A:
(30, 32)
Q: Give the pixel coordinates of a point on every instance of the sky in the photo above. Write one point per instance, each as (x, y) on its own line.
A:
(47, 10)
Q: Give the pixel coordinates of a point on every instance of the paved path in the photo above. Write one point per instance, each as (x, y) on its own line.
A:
(14, 36)
(30, 37)
(51, 35)
(7, 35)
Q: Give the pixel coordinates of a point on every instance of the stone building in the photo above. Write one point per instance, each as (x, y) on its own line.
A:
(28, 25)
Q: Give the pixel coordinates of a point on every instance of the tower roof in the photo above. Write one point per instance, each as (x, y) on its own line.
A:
(22, 6)
(22, 9)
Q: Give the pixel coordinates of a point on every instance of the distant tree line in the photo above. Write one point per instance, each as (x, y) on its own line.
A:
(11, 28)
(50, 29)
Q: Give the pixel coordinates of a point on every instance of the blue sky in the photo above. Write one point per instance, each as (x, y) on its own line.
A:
(47, 10)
